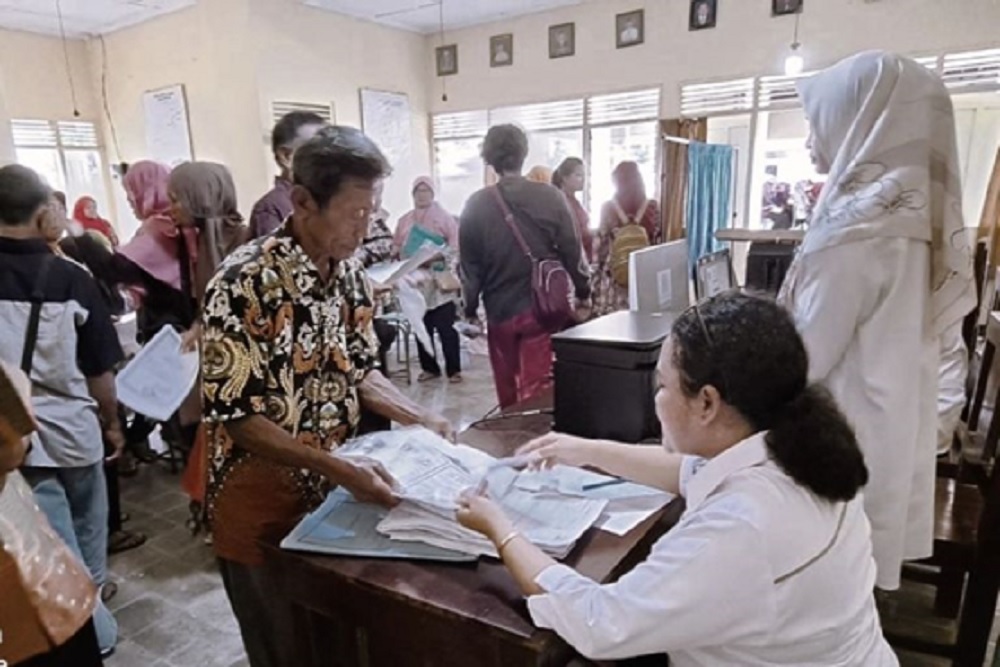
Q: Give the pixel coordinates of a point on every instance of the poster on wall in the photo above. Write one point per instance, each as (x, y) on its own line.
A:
(385, 117)
(168, 134)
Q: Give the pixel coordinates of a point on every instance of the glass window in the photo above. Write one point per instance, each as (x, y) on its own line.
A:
(459, 171)
(67, 155)
(611, 145)
(783, 172)
(551, 147)
(46, 162)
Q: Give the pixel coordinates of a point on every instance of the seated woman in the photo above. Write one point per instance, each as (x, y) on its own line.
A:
(771, 563)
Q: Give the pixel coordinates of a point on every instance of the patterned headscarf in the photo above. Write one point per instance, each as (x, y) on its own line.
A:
(886, 126)
(207, 192)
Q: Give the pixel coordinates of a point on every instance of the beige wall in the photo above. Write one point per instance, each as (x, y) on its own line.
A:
(33, 68)
(270, 50)
(217, 69)
(308, 55)
(34, 84)
(746, 42)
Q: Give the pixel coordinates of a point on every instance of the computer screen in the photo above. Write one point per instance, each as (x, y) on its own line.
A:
(660, 278)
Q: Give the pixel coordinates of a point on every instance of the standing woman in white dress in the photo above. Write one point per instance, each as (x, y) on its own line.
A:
(771, 562)
(884, 270)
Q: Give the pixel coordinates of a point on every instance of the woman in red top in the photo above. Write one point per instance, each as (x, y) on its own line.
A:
(570, 177)
(629, 205)
(85, 212)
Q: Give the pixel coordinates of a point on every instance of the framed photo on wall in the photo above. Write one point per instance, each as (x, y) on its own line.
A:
(785, 7)
(562, 40)
(447, 60)
(502, 50)
(703, 14)
(630, 29)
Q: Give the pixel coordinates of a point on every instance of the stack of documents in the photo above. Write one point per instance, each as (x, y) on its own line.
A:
(629, 504)
(432, 473)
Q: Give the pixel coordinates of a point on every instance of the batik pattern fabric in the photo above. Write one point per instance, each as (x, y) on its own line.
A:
(282, 343)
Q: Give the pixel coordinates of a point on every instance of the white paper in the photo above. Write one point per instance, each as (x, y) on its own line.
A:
(159, 378)
(432, 473)
(664, 288)
(628, 503)
(388, 273)
(168, 136)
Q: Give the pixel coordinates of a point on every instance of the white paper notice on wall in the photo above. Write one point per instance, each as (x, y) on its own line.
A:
(664, 288)
(168, 135)
(385, 117)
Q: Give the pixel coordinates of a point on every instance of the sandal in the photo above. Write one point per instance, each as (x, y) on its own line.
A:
(455, 379)
(427, 377)
(108, 591)
(124, 540)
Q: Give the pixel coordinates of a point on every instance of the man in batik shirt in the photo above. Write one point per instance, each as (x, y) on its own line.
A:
(289, 355)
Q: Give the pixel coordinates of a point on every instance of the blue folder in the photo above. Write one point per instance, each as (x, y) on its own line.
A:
(341, 526)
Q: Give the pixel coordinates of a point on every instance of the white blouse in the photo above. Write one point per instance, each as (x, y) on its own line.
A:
(758, 571)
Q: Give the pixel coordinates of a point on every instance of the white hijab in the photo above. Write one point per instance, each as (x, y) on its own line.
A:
(886, 126)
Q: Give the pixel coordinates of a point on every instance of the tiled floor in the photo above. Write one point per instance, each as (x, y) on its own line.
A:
(171, 606)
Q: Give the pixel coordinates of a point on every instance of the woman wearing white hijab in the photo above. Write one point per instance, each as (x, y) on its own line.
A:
(883, 273)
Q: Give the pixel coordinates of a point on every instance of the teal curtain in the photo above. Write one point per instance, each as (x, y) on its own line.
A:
(709, 203)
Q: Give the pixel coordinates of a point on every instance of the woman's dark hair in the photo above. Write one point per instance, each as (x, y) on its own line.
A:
(747, 347)
(505, 148)
(335, 155)
(565, 170)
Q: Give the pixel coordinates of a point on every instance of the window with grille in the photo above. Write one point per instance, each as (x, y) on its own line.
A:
(704, 99)
(67, 154)
(972, 71)
(779, 92)
(280, 109)
(601, 130)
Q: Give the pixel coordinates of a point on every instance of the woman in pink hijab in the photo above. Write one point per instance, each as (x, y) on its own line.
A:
(155, 256)
(428, 222)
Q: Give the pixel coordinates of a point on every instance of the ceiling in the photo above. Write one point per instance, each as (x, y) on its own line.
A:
(83, 17)
(424, 15)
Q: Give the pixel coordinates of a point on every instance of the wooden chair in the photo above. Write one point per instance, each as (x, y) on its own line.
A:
(965, 566)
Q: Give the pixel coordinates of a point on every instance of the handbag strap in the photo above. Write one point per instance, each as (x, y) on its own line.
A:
(37, 299)
(508, 217)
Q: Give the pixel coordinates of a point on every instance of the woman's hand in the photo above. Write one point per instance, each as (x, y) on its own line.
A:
(479, 513)
(559, 448)
(191, 338)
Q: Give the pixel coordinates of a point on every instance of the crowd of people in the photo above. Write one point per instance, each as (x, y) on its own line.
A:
(292, 338)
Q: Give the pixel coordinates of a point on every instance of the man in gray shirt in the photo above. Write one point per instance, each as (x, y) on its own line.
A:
(495, 267)
(58, 328)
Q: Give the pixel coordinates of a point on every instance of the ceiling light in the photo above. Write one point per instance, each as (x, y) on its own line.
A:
(795, 63)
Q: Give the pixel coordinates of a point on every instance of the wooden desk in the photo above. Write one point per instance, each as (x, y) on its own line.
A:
(354, 612)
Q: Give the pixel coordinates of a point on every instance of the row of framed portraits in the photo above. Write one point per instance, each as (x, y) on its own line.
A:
(630, 30)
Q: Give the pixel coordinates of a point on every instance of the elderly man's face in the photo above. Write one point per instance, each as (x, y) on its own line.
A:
(338, 229)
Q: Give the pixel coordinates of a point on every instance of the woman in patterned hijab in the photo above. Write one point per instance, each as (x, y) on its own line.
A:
(883, 274)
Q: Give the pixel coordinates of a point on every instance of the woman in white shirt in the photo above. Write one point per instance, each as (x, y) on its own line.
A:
(771, 562)
(883, 279)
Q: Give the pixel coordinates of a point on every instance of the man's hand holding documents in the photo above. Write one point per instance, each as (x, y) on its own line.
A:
(551, 508)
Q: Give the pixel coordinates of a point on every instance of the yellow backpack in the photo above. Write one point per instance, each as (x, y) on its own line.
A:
(631, 236)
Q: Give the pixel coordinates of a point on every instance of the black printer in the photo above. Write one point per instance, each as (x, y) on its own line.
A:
(605, 376)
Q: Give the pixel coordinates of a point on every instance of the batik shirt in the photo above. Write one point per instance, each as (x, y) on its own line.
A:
(282, 343)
